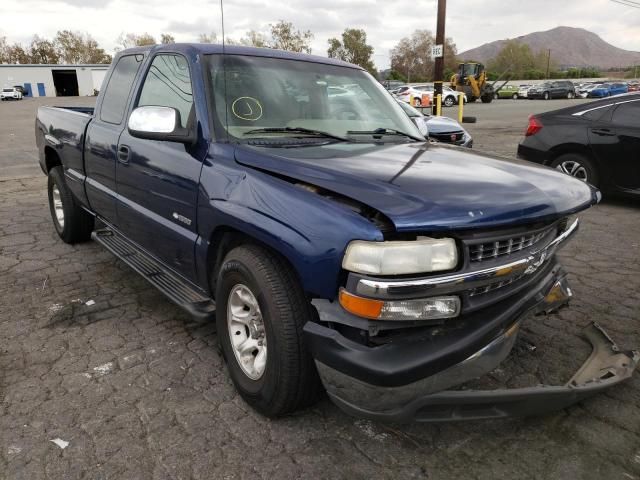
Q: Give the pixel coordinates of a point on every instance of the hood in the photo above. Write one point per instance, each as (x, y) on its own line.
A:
(443, 125)
(420, 186)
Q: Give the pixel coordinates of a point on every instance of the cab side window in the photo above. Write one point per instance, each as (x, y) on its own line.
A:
(168, 84)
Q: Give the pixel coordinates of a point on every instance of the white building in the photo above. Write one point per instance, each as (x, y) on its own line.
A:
(54, 80)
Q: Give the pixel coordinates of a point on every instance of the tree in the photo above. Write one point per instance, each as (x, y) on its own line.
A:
(167, 38)
(519, 61)
(77, 47)
(284, 37)
(255, 39)
(208, 37)
(42, 51)
(412, 56)
(132, 40)
(353, 49)
(16, 54)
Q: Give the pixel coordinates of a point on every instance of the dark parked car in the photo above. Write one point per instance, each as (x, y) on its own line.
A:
(333, 245)
(552, 89)
(598, 142)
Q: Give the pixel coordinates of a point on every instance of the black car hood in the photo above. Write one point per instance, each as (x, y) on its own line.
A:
(419, 186)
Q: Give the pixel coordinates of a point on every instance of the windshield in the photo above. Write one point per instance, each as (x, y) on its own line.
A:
(279, 98)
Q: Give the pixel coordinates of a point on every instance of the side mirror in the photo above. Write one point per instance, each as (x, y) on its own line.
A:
(421, 123)
(158, 123)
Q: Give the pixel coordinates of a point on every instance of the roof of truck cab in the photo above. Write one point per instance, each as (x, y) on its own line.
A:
(211, 48)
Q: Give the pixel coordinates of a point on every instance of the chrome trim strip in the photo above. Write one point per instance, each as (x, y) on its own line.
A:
(468, 280)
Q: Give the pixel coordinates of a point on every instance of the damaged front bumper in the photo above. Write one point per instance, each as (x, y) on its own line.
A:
(385, 385)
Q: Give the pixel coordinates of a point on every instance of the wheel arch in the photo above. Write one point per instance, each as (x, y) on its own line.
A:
(224, 239)
(565, 148)
(51, 158)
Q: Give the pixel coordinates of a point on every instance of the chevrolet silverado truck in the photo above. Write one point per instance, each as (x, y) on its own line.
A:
(336, 249)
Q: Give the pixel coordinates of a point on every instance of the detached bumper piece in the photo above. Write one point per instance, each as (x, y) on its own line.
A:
(606, 367)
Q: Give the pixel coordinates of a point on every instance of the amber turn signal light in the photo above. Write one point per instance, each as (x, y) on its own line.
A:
(360, 306)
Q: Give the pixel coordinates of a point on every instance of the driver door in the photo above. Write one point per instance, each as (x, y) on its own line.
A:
(158, 180)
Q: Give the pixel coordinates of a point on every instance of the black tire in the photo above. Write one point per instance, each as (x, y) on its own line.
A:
(546, 96)
(289, 380)
(78, 223)
(486, 98)
(449, 101)
(592, 176)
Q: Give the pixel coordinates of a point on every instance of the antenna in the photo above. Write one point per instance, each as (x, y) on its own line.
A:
(222, 15)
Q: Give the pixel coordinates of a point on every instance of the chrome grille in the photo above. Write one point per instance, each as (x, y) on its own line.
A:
(490, 250)
(494, 286)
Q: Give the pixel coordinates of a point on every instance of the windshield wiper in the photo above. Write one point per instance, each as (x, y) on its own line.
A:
(378, 132)
(308, 131)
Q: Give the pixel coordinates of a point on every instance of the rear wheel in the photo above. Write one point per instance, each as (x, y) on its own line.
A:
(261, 309)
(515, 96)
(71, 221)
(546, 96)
(571, 95)
(578, 166)
(449, 101)
(417, 102)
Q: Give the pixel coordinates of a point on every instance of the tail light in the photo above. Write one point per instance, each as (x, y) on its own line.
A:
(535, 125)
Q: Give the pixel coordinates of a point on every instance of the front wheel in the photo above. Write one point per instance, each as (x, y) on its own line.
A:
(578, 166)
(261, 309)
(515, 96)
(546, 96)
(449, 101)
(72, 223)
(571, 95)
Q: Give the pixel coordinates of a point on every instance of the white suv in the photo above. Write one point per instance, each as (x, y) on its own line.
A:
(10, 93)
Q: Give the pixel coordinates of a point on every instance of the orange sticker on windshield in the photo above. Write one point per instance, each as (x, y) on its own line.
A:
(247, 108)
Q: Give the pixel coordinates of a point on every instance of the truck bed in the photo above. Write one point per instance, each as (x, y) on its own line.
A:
(60, 134)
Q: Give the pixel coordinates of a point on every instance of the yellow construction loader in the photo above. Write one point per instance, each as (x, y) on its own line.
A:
(472, 80)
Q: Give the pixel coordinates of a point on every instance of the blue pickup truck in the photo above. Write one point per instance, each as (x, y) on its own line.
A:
(291, 200)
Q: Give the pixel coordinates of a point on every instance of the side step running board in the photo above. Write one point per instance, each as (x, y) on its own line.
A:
(178, 290)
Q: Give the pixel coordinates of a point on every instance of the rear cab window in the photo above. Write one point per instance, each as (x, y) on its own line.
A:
(116, 95)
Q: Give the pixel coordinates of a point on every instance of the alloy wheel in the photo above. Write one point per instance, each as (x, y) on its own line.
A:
(247, 331)
(575, 169)
(57, 206)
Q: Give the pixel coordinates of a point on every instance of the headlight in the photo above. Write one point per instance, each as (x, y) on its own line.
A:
(400, 258)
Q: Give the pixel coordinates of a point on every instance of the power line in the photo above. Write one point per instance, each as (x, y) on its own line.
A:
(627, 3)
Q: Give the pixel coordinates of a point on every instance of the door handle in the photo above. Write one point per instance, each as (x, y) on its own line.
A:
(123, 154)
(604, 132)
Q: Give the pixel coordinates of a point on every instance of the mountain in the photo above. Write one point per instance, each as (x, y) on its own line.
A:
(570, 47)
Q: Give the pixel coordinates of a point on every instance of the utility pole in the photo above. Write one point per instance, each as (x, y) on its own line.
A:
(548, 63)
(439, 65)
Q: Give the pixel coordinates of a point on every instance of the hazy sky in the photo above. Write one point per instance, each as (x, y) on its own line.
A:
(469, 22)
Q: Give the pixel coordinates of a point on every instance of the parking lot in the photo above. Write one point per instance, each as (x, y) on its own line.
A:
(140, 391)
